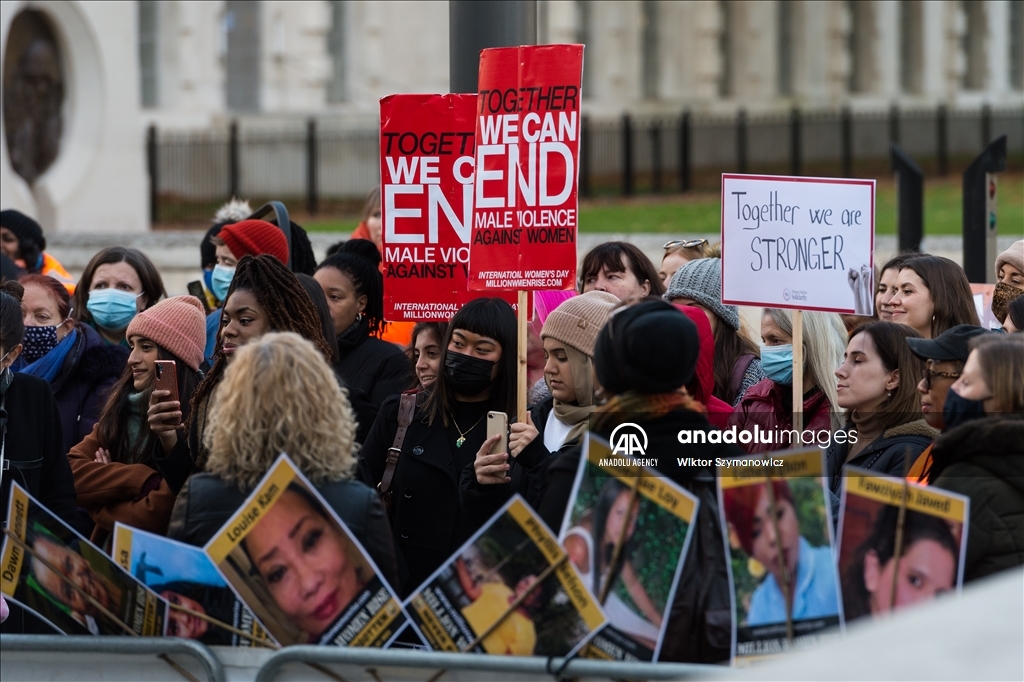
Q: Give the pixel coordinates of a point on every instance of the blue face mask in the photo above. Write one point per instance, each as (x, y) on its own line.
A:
(777, 363)
(220, 281)
(112, 309)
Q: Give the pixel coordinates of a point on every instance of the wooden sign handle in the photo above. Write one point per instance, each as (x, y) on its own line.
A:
(523, 329)
(798, 370)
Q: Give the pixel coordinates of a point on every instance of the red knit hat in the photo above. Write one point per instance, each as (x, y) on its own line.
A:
(255, 237)
(177, 325)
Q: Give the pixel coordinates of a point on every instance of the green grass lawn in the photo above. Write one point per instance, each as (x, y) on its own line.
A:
(699, 212)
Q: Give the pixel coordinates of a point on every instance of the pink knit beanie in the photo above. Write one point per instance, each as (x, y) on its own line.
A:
(177, 325)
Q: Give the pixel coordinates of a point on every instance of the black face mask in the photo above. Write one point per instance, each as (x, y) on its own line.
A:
(466, 374)
(959, 410)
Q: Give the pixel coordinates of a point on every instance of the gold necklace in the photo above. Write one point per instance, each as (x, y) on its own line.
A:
(462, 434)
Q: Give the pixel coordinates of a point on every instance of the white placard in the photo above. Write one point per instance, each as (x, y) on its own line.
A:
(801, 243)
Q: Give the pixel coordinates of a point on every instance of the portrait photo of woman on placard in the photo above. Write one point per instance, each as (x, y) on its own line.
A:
(301, 566)
(789, 554)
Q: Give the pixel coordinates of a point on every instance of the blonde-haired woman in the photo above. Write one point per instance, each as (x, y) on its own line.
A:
(280, 395)
(769, 403)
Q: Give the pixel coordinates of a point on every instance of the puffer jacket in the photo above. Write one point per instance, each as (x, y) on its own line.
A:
(984, 460)
(768, 405)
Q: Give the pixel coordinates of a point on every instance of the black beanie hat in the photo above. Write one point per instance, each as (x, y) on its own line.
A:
(650, 347)
(24, 227)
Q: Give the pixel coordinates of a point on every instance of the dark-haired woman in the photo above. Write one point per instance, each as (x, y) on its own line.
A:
(355, 295)
(115, 467)
(264, 296)
(425, 352)
(72, 357)
(927, 567)
(30, 428)
(116, 285)
(886, 287)
(933, 295)
(446, 435)
(621, 269)
(877, 386)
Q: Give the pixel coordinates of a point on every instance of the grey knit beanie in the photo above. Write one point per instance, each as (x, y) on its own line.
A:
(701, 281)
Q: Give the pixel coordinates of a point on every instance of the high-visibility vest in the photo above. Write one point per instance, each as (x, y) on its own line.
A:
(53, 268)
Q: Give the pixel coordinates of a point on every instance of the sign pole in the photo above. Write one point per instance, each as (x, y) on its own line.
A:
(523, 338)
(798, 370)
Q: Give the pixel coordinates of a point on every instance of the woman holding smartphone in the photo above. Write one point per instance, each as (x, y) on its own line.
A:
(447, 434)
(115, 468)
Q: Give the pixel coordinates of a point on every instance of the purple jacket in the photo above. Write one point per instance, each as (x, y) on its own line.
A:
(91, 368)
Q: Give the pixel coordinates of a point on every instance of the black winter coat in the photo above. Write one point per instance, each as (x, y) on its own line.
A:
(206, 502)
(430, 521)
(884, 455)
(984, 460)
(90, 370)
(378, 368)
(700, 623)
(34, 453)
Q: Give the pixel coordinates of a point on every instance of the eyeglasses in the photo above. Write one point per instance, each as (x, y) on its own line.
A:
(684, 243)
(928, 374)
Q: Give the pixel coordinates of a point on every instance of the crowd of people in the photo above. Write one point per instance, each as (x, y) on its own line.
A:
(286, 354)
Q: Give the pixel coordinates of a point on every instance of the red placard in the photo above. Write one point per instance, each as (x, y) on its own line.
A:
(426, 170)
(525, 199)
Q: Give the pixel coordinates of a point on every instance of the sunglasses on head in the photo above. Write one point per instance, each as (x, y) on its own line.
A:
(684, 243)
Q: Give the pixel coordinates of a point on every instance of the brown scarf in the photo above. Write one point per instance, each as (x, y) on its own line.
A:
(577, 415)
(651, 405)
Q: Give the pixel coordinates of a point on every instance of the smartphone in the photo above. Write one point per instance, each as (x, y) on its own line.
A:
(166, 379)
(196, 289)
(497, 424)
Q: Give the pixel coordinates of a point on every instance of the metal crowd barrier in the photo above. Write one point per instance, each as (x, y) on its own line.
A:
(135, 646)
(440, 662)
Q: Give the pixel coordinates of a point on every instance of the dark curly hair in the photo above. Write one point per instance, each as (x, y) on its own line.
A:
(289, 309)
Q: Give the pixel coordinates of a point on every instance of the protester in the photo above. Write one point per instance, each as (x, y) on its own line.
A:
(877, 387)
(22, 240)
(1014, 322)
(264, 296)
(944, 358)
(79, 365)
(279, 395)
(30, 424)
(809, 571)
(116, 467)
(425, 352)
(543, 303)
(737, 365)
(678, 253)
(569, 334)
(702, 385)
(629, 360)
(8, 269)
(982, 455)
(927, 565)
(447, 434)
(232, 243)
(355, 296)
(932, 295)
(886, 288)
(234, 211)
(370, 225)
(621, 269)
(1010, 279)
(316, 294)
(117, 284)
(769, 403)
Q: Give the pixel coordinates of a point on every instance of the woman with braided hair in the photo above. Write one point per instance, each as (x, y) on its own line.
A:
(264, 296)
